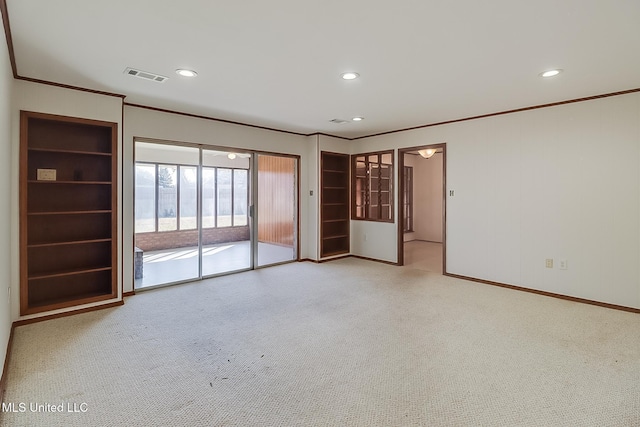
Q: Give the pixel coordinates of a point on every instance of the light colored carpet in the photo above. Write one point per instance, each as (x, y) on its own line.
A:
(345, 343)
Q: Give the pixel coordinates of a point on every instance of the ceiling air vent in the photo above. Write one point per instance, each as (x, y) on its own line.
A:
(145, 75)
(339, 121)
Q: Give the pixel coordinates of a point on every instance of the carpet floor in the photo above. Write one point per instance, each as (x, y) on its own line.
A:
(345, 343)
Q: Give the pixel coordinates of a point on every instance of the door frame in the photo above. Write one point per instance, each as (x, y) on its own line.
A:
(401, 216)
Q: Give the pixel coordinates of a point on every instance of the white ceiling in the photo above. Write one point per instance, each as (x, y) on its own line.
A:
(277, 63)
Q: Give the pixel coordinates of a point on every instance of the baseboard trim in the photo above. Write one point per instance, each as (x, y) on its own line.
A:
(67, 313)
(3, 379)
(129, 294)
(546, 294)
(308, 260)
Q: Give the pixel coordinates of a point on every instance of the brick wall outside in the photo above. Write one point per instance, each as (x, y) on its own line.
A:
(183, 239)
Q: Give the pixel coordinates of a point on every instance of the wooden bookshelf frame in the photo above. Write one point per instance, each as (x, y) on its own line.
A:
(68, 224)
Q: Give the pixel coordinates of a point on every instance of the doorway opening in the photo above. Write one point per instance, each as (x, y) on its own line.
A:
(197, 209)
(422, 210)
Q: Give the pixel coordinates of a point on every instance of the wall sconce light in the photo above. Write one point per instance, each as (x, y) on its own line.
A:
(231, 156)
(427, 153)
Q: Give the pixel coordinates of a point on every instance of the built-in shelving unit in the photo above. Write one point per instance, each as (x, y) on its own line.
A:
(334, 204)
(68, 211)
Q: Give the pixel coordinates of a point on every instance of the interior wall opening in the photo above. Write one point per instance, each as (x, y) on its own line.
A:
(421, 226)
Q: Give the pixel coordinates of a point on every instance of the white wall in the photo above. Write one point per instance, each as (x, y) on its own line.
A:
(145, 123)
(6, 185)
(427, 200)
(560, 182)
(54, 100)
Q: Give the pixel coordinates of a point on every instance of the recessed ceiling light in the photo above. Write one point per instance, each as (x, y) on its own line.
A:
(350, 75)
(357, 119)
(186, 73)
(551, 73)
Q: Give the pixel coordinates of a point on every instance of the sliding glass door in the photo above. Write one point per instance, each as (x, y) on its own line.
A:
(277, 213)
(202, 212)
(226, 231)
(167, 241)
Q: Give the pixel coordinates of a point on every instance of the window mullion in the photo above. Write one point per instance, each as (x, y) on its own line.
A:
(178, 179)
(157, 191)
(215, 199)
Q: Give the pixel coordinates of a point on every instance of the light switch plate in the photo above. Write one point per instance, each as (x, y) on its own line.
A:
(46, 174)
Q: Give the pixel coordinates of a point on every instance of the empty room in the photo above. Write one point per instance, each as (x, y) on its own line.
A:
(317, 213)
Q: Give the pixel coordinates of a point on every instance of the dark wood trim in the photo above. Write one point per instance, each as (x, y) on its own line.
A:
(65, 86)
(198, 116)
(128, 294)
(68, 313)
(5, 369)
(298, 212)
(500, 113)
(400, 227)
(401, 153)
(546, 294)
(392, 186)
(7, 35)
(121, 198)
(375, 260)
(344, 138)
(22, 225)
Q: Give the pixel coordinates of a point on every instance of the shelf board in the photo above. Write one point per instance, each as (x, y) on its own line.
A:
(75, 242)
(333, 253)
(340, 236)
(334, 204)
(71, 212)
(66, 273)
(335, 188)
(31, 181)
(333, 171)
(82, 298)
(59, 150)
(336, 220)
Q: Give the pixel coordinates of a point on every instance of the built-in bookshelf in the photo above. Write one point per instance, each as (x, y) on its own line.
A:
(68, 218)
(334, 204)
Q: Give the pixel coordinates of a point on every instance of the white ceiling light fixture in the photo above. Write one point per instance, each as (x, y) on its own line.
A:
(427, 153)
(551, 73)
(350, 75)
(186, 73)
(231, 156)
(357, 119)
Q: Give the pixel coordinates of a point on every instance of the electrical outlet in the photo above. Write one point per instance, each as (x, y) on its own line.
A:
(563, 264)
(365, 237)
(549, 263)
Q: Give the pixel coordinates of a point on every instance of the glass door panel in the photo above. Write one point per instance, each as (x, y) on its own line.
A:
(166, 234)
(226, 235)
(276, 209)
